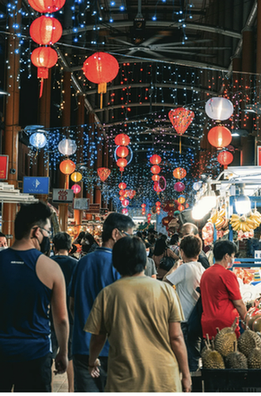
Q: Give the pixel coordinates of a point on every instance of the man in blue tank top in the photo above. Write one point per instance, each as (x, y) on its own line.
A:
(93, 272)
(30, 283)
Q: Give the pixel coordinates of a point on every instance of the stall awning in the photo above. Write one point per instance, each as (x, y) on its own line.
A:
(8, 194)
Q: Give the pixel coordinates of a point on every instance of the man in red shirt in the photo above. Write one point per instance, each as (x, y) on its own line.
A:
(221, 297)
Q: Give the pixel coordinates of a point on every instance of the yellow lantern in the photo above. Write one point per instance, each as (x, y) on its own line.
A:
(181, 199)
(76, 177)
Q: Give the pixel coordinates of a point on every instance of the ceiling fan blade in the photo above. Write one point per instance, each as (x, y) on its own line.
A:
(151, 40)
(185, 53)
(120, 41)
(187, 42)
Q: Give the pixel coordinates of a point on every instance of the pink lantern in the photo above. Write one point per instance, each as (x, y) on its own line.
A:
(179, 186)
(125, 202)
(76, 188)
(124, 211)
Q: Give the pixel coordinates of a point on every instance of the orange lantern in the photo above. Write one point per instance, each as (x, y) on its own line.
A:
(67, 167)
(103, 173)
(225, 158)
(101, 68)
(179, 173)
(121, 198)
(155, 178)
(156, 187)
(181, 207)
(122, 193)
(155, 169)
(45, 30)
(122, 140)
(44, 6)
(43, 58)
(155, 159)
(219, 136)
(121, 163)
(122, 151)
(158, 203)
(181, 118)
(122, 186)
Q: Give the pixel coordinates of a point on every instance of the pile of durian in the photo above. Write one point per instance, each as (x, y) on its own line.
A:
(226, 351)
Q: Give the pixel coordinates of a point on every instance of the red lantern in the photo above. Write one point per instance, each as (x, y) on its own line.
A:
(46, 6)
(103, 173)
(122, 186)
(219, 136)
(225, 158)
(181, 119)
(143, 206)
(124, 211)
(158, 203)
(121, 193)
(132, 194)
(181, 207)
(149, 215)
(155, 169)
(76, 188)
(67, 167)
(122, 140)
(121, 198)
(121, 163)
(101, 68)
(43, 58)
(156, 187)
(125, 202)
(155, 178)
(121, 169)
(179, 173)
(45, 30)
(122, 151)
(155, 159)
(179, 186)
(158, 210)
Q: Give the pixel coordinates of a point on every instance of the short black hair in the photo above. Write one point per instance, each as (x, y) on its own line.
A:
(2, 235)
(174, 239)
(221, 248)
(89, 238)
(62, 241)
(29, 216)
(160, 247)
(116, 220)
(191, 245)
(129, 255)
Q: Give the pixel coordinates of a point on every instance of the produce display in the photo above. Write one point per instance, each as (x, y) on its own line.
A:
(244, 274)
(245, 223)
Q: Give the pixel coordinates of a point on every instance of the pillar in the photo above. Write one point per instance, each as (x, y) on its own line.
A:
(236, 66)
(258, 67)
(91, 129)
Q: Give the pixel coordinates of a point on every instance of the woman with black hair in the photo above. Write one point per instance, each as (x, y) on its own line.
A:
(88, 244)
(141, 318)
(162, 254)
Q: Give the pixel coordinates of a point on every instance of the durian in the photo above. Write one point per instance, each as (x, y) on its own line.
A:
(207, 348)
(256, 326)
(225, 338)
(254, 359)
(212, 359)
(248, 341)
(236, 359)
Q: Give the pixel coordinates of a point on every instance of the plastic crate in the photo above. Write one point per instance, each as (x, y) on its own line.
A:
(231, 380)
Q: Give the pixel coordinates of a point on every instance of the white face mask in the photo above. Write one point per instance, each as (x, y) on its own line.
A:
(148, 252)
(230, 265)
(3, 247)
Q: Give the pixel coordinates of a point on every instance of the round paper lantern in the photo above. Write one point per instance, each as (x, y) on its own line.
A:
(197, 185)
(103, 173)
(149, 215)
(67, 147)
(181, 199)
(45, 30)
(143, 205)
(122, 193)
(132, 194)
(179, 186)
(125, 202)
(122, 186)
(181, 207)
(181, 118)
(156, 187)
(155, 159)
(76, 188)
(219, 136)
(124, 211)
(179, 173)
(225, 158)
(121, 198)
(155, 169)
(38, 140)
(122, 151)
(219, 108)
(46, 6)
(158, 203)
(67, 167)
(155, 178)
(121, 163)
(122, 140)
(44, 58)
(76, 177)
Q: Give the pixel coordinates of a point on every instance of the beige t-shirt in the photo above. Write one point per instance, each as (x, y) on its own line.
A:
(135, 313)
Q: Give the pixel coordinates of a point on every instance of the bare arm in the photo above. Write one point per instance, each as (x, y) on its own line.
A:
(71, 306)
(96, 345)
(240, 307)
(170, 253)
(179, 348)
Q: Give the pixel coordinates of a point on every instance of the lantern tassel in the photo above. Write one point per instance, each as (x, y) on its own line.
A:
(41, 87)
(102, 88)
(180, 144)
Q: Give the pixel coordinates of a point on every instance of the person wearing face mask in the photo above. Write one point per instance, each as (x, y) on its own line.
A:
(150, 269)
(30, 283)
(221, 298)
(3, 241)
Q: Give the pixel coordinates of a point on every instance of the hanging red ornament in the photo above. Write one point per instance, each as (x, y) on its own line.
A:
(121, 163)
(122, 186)
(101, 68)
(121, 169)
(181, 207)
(124, 211)
(132, 194)
(181, 118)
(155, 169)
(76, 188)
(122, 193)
(179, 186)
(43, 58)
(122, 151)
(158, 203)
(121, 198)
(46, 6)
(122, 140)
(225, 158)
(156, 187)
(143, 205)
(155, 178)
(219, 136)
(103, 173)
(125, 202)
(155, 159)
(45, 30)
(179, 173)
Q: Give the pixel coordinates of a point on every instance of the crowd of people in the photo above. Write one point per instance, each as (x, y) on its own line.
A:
(115, 317)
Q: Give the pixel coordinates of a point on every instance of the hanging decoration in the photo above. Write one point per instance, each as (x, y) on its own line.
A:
(156, 187)
(155, 159)
(67, 147)
(197, 185)
(125, 202)
(76, 177)
(101, 68)
(45, 6)
(181, 199)
(121, 163)
(179, 173)
(155, 169)
(181, 118)
(179, 186)
(155, 178)
(43, 58)
(143, 209)
(124, 211)
(181, 208)
(103, 173)
(219, 136)
(148, 218)
(76, 188)
(38, 140)
(219, 108)
(122, 186)
(225, 158)
(46, 30)
(67, 167)
(122, 151)
(122, 140)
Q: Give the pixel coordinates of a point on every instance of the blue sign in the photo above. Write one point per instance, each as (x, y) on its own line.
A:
(36, 185)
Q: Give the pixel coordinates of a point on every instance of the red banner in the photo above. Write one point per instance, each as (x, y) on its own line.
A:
(258, 155)
(3, 167)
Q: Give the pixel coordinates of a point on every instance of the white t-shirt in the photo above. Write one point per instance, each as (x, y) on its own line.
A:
(186, 278)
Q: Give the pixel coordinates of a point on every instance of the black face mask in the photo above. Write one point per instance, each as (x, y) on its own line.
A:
(45, 245)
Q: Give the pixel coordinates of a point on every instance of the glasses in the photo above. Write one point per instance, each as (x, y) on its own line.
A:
(123, 232)
(49, 233)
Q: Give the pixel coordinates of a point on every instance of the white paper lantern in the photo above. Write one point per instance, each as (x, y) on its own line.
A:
(67, 147)
(219, 108)
(38, 140)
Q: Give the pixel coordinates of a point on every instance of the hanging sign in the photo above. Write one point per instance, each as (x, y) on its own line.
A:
(62, 196)
(3, 167)
(81, 203)
(36, 185)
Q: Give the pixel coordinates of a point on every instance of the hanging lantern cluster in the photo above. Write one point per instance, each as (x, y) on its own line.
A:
(68, 147)
(45, 31)
(148, 218)
(158, 205)
(181, 119)
(101, 68)
(155, 170)
(122, 151)
(143, 209)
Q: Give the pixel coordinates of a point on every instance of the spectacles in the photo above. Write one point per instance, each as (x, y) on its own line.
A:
(123, 232)
(49, 233)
